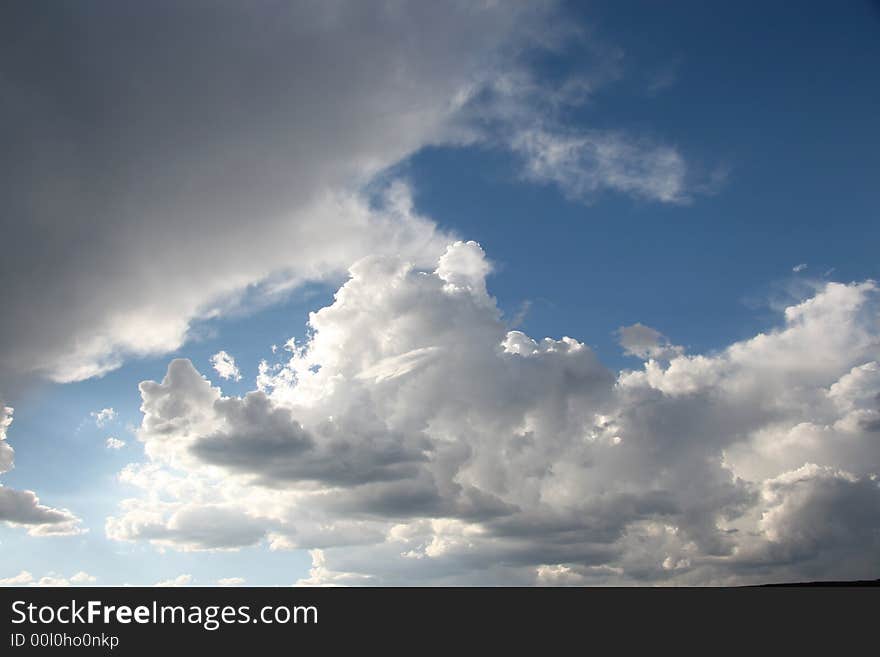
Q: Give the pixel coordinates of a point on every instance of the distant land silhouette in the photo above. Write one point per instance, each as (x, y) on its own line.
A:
(855, 582)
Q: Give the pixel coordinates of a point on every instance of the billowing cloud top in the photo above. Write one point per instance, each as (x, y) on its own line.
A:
(413, 438)
(225, 366)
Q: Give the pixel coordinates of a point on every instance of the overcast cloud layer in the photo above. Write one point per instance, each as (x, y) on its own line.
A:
(414, 439)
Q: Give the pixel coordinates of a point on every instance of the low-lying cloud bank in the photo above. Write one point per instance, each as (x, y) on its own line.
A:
(414, 439)
(25, 578)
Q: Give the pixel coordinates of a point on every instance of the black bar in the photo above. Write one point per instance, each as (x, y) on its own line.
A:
(416, 620)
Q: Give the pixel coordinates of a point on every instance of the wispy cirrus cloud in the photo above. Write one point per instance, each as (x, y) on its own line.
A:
(103, 417)
(585, 164)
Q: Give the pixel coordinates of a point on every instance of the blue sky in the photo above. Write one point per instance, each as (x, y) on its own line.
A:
(773, 109)
(784, 101)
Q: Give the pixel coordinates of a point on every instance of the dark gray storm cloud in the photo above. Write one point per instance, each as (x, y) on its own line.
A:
(270, 444)
(160, 157)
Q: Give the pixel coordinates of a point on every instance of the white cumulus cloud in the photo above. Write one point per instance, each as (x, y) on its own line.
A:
(225, 366)
(413, 438)
(103, 417)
